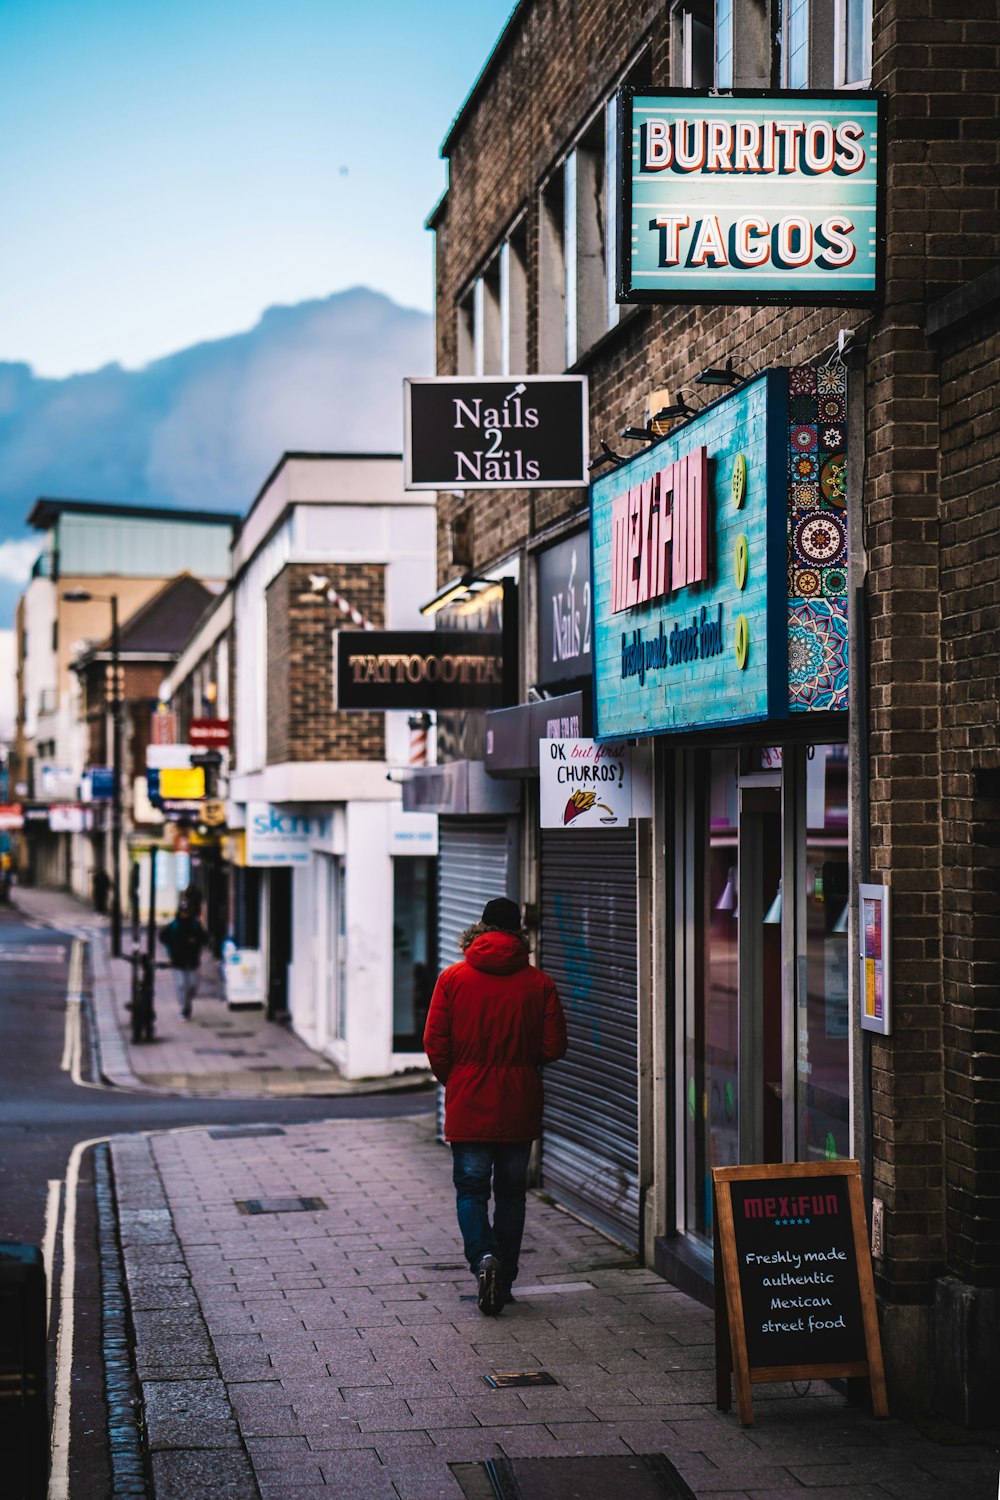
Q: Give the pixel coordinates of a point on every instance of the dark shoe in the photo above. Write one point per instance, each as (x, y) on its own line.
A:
(491, 1297)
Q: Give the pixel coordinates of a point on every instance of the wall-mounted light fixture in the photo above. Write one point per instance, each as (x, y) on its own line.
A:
(606, 456)
(677, 409)
(640, 434)
(720, 375)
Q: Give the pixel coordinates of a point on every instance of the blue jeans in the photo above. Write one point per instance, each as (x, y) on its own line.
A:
(473, 1163)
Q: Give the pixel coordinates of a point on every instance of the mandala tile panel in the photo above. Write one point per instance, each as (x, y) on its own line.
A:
(834, 582)
(831, 409)
(833, 480)
(802, 380)
(831, 380)
(803, 465)
(803, 495)
(821, 539)
(807, 583)
(801, 409)
(803, 438)
(831, 439)
(817, 655)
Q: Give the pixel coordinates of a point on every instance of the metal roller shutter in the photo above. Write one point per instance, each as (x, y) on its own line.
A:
(475, 863)
(590, 1145)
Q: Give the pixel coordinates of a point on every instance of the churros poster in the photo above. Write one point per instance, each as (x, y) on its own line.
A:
(584, 785)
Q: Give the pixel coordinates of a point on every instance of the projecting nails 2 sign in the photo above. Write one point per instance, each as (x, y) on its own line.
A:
(517, 433)
(751, 197)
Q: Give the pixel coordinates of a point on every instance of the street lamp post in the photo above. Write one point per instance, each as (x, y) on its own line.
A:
(84, 596)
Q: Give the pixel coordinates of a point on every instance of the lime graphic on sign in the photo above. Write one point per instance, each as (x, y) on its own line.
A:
(741, 560)
(742, 644)
(739, 481)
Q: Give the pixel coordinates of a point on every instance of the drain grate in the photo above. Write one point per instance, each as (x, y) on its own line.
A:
(243, 1132)
(640, 1476)
(524, 1377)
(279, 1205)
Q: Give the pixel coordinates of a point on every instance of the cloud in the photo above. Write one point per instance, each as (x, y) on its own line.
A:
(205, 427)
(17, 559)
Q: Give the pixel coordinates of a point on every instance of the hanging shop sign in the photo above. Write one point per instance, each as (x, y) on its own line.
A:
(11, 817)
(278, 836)
(517, 433)
(418, 669)
(565, 616)
(795, 1296)
(210, 733)
(583, 784)
(719, 564)
(751, 197)
(67, 817)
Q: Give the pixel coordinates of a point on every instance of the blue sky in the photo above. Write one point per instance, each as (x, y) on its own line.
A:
(169, 168)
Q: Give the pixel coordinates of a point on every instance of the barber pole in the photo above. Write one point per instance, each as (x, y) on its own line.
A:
(419, 725)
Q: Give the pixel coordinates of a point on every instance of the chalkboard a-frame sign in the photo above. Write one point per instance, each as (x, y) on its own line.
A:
(794, 1295)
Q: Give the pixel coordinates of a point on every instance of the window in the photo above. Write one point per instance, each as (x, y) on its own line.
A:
(795, 44)
(852, 43)
(692, 44)
(724, 44)
(552, 276)
(492, 317)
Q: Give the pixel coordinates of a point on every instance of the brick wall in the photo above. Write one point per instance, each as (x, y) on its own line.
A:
(302, 723)
(931, 533)
(970, 766)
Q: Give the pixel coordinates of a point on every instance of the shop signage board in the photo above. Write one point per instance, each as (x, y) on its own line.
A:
(751, 197)
(243, 971)
(518, 432)
(418, 669)
(278, 836)
(873, 930)
(583, 784)
(720, 564)
(102, 783)
(794, 1292)
(565, 610)
(11, 817)
(690, 568)
(209, 733)
(66, 817)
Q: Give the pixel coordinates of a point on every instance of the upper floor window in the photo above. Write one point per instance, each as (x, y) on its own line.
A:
(763, 44)
(492, 318)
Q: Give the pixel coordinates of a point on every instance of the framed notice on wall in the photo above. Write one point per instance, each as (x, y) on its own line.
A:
(873, 932)
(794, 1293)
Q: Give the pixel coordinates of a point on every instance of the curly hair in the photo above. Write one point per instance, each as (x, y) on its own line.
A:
(478, 928)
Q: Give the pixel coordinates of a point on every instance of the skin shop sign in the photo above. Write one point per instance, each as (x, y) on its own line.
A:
(523, 432)
(795, 1299)
(751, 198)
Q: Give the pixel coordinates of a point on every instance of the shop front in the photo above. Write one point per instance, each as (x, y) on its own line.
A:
(720, 592)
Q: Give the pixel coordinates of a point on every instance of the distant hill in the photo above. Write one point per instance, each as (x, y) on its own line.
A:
(204, 427)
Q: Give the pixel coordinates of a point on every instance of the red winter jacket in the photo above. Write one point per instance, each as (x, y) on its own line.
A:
(493, 1021)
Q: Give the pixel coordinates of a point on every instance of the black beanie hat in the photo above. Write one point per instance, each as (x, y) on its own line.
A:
(503, 914)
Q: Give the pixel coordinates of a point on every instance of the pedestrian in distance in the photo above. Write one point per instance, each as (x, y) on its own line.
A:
(494, 1022)
(184, 938)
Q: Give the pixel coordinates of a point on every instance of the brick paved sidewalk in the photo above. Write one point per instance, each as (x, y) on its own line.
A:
(340, 1350)
(218, 1052)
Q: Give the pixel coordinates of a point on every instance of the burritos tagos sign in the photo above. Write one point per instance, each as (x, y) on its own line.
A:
(751, 198)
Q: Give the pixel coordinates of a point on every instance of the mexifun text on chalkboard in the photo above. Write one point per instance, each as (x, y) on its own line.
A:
(795, 1297)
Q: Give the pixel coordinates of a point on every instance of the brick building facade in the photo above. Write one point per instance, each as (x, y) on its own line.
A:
(525, 284)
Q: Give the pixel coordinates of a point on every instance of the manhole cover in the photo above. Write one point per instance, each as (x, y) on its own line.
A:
(279, 1205)
(243, 1132)
(642, 1476)
(526, 1377)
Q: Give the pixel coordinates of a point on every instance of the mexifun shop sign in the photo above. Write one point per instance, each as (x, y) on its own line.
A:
(720, 564)
(751, 197)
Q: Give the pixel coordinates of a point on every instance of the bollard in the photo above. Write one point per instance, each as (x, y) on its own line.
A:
(24, 1418)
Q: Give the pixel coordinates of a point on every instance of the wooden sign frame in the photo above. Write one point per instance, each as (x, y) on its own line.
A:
(732, 1364)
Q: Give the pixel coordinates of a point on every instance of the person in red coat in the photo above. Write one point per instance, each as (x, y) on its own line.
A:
(493, 1024)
